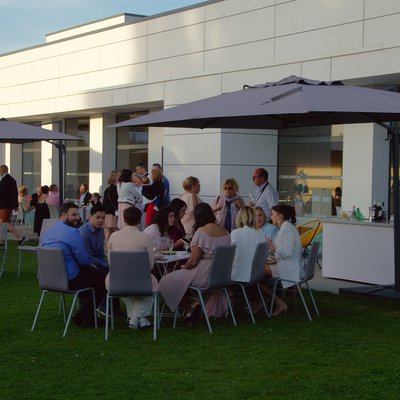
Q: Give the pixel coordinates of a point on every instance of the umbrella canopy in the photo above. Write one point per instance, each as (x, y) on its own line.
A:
(290, 103)
(15, 132)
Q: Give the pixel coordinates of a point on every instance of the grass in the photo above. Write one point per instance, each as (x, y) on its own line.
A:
(351, 352)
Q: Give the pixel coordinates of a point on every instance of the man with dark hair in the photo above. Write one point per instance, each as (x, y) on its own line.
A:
(141, 169)
(266, 196)
(81, 270)
(85, 195)
(165, 182)
(9, 201)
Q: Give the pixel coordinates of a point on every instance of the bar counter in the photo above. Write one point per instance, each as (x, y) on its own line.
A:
(358, 251)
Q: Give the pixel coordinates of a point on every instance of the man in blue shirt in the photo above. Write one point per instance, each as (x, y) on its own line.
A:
(81, 270)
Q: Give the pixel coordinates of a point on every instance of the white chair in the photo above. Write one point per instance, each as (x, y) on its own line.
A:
(47, 223)
(3, 247)
(53, 278)
(54, 212)
(219, 278)
(130, 276)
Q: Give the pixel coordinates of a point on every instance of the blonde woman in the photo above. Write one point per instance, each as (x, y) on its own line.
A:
(227, 205)
(191, 186)
(28, 210)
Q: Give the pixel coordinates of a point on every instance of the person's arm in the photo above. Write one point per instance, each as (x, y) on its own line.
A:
(78, 249)
(239, 203)
(286, 246)
(194, 259)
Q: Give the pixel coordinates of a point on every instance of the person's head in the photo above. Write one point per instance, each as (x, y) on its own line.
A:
(53, 188)
(246, 217)
(69, 214)
(203, 215)
(132, 216)
(22, 190)
(338, 191)
(179, 207)
(156, 175)
(39, 190)
(45, 189)
(158, 166)
(260, 176)
(165, 219)
(126, 175)
(137, 179)
(145, 180)
(112, 179)
(95, 198)
(281, 213)
(141, 169)
(3, 169)
(191, 184)
(261, 217)
(97, 216)
(83, 188)
(230, 187)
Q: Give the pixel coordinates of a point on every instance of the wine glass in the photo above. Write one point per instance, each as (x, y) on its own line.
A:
(170, 244)
(251, 198)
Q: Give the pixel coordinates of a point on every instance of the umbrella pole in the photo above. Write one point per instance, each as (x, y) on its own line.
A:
(61, 151)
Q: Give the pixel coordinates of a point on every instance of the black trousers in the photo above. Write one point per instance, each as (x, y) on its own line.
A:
(89, 277)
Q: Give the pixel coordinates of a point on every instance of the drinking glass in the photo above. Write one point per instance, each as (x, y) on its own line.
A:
(170, 244)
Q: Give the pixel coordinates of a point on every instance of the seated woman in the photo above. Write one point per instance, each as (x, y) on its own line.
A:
(227, 205)
(130, 238)
(287, 262)
(207, 237)
(246, 239)
(27, 209)
(178, 231)
(160, 229)
(268, 230)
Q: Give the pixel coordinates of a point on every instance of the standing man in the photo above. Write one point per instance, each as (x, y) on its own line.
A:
(9, 201)
(85, 196)
(266, 195)
(81, 270)
(165, 182)
(142, 170)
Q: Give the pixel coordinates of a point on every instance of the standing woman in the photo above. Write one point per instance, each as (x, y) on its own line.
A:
(191, 185)
(287, 262)
(227, 205)
(155, 193)
(111, 207)
(127, 194)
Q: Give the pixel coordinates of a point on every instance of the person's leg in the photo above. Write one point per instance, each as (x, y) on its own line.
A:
(12, 229)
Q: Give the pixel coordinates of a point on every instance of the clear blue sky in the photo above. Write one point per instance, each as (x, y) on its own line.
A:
(24, 23)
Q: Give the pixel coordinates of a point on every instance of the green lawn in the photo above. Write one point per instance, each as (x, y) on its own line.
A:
(351, 352)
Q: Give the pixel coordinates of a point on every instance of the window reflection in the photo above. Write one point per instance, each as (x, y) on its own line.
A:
(31, 165)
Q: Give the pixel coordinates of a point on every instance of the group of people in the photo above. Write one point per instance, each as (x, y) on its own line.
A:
(137, 215)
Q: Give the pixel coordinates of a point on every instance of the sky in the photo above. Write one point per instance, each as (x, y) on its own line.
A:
(25, 23)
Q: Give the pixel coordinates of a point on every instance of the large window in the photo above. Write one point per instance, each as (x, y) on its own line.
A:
(310, 168)
(132, 143)
(31, 165)
(77, 155)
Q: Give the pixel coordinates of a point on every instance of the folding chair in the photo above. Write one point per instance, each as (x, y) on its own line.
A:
(309, 274)
(130, 276)
(53, 278)
(3, 247)
(256, 276)
(47, 223)
(219, 278)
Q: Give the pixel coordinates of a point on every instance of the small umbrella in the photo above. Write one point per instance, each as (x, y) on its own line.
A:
(15, 132)
(290, 103)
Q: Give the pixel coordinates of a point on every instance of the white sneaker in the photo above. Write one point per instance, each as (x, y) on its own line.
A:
(134, 323)
(144, 323)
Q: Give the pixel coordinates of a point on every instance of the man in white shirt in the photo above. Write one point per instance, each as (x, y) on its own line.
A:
(266, 195)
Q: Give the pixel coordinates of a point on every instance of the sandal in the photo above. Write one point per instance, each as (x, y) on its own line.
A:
(193, 314)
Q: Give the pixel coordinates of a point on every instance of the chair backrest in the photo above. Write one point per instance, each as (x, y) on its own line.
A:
(47, 223)
(311, 261)
(221, 267)
(54, 212)
(52, 271)
(258, 264)
(130, 274)
(308, 230)
(3, 232)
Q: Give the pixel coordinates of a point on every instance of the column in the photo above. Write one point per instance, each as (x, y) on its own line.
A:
(50, 168)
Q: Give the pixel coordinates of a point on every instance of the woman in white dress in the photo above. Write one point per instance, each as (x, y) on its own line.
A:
(191, 185)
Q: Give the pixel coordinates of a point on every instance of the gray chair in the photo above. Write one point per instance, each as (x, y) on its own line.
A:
(130, 276)
(309, 274)
(47, 223)
(53, 278)
(3, 247)
(219, 278)
(256, 276)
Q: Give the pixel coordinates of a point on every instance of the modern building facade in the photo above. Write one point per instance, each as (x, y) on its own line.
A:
(85, 78)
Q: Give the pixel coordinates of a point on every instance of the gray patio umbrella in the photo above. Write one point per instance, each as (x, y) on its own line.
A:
(15, 132)
(290, 103)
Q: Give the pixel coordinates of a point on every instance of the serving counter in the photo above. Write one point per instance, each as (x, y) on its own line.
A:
(358, 251)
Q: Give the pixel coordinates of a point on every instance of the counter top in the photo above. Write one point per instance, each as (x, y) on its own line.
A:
(343, 221)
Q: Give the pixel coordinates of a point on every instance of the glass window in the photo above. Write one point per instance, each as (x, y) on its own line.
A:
(132, 143)
(77, 155)
(31, 165)
(310, 168)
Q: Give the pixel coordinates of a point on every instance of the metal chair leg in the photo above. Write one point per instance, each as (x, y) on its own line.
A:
(247, 304)
(230, 307)
(38, 309)
(313, 300)
(263, 301)
(155, 323)
(304, 302)
(107, 310)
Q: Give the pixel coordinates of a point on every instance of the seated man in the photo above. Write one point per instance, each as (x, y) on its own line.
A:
(81, 270)
(130, 238)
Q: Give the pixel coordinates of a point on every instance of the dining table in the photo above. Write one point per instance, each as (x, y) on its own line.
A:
(165, 259)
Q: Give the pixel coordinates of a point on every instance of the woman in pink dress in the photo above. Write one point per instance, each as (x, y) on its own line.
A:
(207, 237)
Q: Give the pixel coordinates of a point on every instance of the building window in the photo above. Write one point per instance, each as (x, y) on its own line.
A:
(310, 168)
(31, 165)
(77, 155)
(132, 143)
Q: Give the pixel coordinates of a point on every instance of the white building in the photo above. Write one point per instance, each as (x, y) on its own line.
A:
(85, 78)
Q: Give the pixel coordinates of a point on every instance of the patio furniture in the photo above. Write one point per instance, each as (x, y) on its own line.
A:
(3, 247)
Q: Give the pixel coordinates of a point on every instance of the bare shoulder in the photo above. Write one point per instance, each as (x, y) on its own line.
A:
(214, 230)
